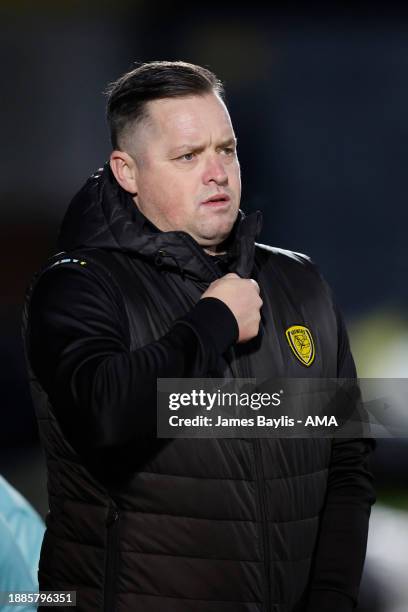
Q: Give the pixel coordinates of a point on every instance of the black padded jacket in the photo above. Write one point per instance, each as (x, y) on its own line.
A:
(182, 525)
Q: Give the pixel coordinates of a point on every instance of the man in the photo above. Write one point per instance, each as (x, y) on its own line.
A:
(161, 277)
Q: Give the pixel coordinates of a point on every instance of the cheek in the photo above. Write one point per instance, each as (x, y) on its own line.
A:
(180, 191)
(238, 172)
(235, 174)
(156, 190)
(174, 200)
(171, 194)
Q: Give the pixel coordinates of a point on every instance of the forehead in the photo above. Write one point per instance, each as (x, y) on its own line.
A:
(190, 116)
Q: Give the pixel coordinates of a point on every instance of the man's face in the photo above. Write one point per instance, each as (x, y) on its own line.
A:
(185, 154)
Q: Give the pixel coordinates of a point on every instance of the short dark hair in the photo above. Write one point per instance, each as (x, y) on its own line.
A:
(128, 95)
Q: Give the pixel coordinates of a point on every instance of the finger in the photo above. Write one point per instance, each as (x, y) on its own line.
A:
(231, 275)
(256, 284)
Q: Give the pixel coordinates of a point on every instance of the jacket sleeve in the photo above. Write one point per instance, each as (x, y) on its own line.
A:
(104, 394)
(342, 541)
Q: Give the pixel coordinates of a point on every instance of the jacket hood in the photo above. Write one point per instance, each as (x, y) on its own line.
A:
(103, 215)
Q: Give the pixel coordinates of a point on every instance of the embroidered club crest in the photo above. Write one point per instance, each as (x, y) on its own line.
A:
(301, 342)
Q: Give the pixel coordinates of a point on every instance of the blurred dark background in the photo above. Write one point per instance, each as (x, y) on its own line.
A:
(319, 101)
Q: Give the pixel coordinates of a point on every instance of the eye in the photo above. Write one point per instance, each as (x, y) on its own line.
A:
(229, 151)
(186, 157)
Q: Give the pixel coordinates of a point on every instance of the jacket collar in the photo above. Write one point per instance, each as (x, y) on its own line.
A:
(103, 215)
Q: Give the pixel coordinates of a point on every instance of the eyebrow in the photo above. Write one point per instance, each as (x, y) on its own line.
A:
(225, 143)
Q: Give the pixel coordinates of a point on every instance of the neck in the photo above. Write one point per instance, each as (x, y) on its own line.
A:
(214, 251)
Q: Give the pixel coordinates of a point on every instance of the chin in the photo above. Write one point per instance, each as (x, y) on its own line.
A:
(214, 239)
(214, 233)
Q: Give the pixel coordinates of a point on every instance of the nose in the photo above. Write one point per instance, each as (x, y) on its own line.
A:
(215, 171)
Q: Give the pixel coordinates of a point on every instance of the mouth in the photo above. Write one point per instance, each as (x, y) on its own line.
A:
(217, 200)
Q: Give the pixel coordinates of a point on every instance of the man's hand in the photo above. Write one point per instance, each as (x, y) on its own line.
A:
(241, 295)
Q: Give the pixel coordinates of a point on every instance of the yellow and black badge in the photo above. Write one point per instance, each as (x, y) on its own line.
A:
(301, 342)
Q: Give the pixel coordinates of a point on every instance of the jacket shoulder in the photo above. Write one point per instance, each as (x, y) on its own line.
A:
(295, 270)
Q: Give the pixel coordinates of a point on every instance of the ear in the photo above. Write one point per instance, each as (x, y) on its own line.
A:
(124, 169)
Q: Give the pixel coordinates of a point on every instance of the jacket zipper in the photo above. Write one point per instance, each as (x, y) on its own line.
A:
(112, 540)
(260, 493)
(260, 479)
(259, 472)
